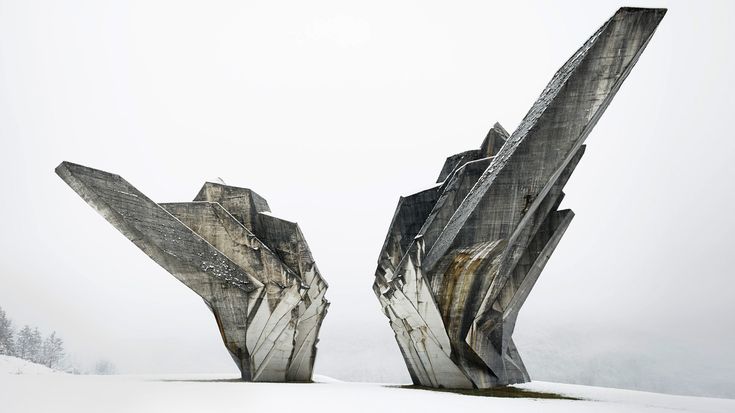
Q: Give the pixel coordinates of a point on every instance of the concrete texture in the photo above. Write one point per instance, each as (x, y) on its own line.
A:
(254, 271)
(461, 258)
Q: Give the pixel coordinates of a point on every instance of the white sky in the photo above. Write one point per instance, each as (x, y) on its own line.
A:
(331, 111)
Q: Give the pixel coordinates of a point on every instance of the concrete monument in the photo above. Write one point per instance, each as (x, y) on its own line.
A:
(461, 257)
(253, 270)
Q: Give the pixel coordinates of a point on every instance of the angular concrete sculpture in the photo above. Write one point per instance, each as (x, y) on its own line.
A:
(253, 270)
(460, 258)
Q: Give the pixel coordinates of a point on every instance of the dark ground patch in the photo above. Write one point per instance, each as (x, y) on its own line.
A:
(506, 391)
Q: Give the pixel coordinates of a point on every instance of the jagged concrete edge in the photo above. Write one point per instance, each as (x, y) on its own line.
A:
(418, 332)
(307, 265)
(411, 341)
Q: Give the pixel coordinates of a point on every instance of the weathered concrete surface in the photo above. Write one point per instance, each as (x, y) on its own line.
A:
(460, 258)
(254, 271)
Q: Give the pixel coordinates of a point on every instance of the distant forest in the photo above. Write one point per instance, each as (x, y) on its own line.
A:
(29, 344)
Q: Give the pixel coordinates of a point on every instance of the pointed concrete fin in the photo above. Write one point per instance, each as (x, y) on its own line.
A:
(494, 140)
(561, 119)
(504, 133)
(287, 241)
(537, 255)
(159, 234)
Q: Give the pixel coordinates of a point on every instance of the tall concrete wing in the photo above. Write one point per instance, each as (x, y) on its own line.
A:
(254, 271)
(461, 258)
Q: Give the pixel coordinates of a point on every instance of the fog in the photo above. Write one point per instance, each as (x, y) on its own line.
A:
(331, 111)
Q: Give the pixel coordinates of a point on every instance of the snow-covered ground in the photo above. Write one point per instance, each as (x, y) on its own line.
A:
(38, 390)
(14, 365)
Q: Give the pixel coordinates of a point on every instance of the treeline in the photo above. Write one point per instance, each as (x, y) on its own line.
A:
(29, 344)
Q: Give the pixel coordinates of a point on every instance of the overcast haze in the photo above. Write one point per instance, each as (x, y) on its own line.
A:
(331, 111)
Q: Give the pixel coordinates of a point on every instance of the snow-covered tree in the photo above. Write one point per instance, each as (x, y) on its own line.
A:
(52, 350)
(35, 347)
(28, 344)
(23, 342)
(7, 343)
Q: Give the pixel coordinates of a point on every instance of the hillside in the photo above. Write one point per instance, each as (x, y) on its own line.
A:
(15, 365)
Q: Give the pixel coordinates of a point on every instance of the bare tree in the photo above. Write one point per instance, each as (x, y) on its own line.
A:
(104, 367)
(7, 342)
(52, 350)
